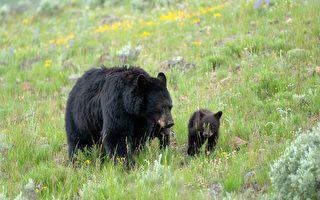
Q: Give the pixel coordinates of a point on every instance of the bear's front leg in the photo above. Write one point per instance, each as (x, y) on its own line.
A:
(211, 144)
(191, 149)
(194, 142)
(119, 148)
(193, 146)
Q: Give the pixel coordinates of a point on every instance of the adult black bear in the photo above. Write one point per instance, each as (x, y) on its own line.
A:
(203, 125)
(117, 107)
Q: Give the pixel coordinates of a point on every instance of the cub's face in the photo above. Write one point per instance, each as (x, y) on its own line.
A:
(210, 124)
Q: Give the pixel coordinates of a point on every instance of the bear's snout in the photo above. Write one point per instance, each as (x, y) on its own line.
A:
(169, 121)
(166, 121)
(207, 133)
(169, 124)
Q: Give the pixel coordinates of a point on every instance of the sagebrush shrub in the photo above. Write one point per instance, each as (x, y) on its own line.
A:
(296, 174)
(147, 4)
(129, 53)
(50, 7)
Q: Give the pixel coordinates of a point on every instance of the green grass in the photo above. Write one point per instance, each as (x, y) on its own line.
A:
(257, 66)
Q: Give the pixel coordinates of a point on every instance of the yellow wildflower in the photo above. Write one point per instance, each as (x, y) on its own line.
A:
(70, 36)
(181, 23)
(60, 41)
(123, 25)
(101, 29)
(37, 190)
(115, 26)
(171, 16)
(205, 10)
(28, 20)
(149, 23)
(145, 34)
(121, 160)
(224, 154)
(175, 15)
(47, 63)
(217, 14)
(197, 43)
(87, 162)
(152, 23)
(196, 21)
(187, 15)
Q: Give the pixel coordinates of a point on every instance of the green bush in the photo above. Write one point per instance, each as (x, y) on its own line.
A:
(216, 60)
(296, 174)
(147, 4)
(50, 7)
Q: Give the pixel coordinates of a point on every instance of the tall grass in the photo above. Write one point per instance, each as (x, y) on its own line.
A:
(256, 65)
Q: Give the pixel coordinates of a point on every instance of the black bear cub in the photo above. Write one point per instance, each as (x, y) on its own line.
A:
(117, 107)
(203, 125)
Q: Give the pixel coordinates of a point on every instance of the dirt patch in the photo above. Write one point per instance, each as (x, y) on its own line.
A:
(226, 40)
(314, 119)
(215, 190)
(177, 62)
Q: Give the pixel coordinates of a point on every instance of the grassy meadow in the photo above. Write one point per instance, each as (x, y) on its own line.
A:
(260, 66)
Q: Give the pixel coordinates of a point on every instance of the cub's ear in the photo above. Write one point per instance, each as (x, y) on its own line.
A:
(218, 114)
(201, 114)
(163, 78)
(142, 81)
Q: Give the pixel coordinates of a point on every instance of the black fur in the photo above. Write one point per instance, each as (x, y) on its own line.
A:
(203, 125)
(118, 107)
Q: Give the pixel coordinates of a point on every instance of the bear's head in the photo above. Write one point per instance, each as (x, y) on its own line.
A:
(156, 101)
(210, 123)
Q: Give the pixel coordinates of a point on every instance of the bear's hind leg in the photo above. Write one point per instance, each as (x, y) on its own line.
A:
(71, 151)
(72, 136)
(192, 149)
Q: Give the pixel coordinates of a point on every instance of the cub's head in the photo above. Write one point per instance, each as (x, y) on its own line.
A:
(210, 123)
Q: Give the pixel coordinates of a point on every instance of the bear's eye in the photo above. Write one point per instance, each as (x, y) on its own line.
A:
(159, 110)
(165, 107)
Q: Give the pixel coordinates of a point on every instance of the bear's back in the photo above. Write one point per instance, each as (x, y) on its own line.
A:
(84, 98)
(94, 79)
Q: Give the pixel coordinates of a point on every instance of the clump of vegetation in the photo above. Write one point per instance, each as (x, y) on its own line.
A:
(4, 10)
(50, 7)
(147, 4)
(216, 60)
(129, 54)
(296, 174)
(260, 66)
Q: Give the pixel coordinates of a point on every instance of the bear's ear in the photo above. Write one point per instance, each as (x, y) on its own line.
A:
(142, 81)
(218, 114)
(202, 114)
(163, 78)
